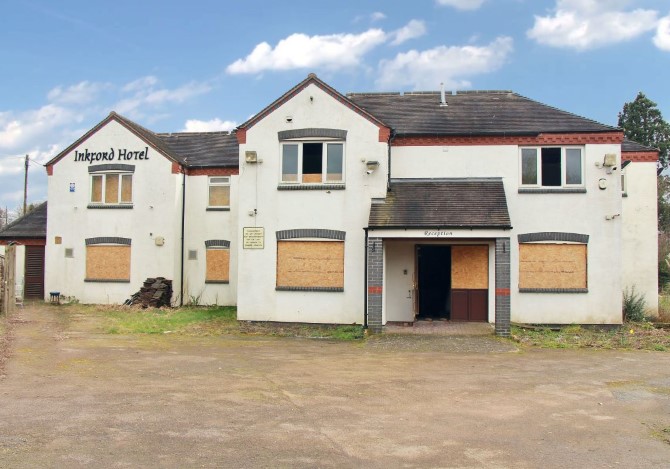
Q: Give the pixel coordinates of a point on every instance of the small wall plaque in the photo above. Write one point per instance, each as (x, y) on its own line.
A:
(253, 238)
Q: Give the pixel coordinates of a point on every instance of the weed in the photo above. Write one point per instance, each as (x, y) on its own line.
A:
(634, 305)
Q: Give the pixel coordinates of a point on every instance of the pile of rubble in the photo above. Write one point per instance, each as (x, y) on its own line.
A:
(155, 293)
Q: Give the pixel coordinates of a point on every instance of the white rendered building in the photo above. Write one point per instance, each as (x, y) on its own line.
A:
(365, 208)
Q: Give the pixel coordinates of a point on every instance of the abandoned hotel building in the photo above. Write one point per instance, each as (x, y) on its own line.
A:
(366, 208)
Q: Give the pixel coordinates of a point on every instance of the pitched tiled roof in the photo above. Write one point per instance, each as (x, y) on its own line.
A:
(442, 203)
(631, 146)
(190, 149)
(32, 225)
(471, 113)
(204, 149)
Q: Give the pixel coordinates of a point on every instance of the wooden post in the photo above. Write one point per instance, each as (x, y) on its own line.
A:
(9, 282)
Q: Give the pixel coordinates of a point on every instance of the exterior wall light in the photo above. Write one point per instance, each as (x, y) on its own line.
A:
(371, 165)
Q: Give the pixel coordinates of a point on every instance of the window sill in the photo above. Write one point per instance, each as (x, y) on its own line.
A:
(110, 206)
(106, 280)
(311, 187)
(321, 289)
(553, 290)
(219, 282)
(217, 209)
(552, 190)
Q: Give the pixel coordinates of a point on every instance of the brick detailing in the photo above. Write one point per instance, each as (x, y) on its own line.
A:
(221, 243)
(384, 134)
(553, 290)
(541, 139)
(108, 240)
(128, 168)
(177, 168)
(110, 206)
(375, 280)
(640, 156)
(50, 170)
(502, 286)
(213, 171)
(311, 233)
(543, 190)
(321, 289)
(24, 242)
(241, 135)
(553, 236)
(312, 132)
(311, 187)
(217, 209)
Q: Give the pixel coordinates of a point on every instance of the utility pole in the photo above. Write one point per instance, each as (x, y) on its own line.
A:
(25, 187)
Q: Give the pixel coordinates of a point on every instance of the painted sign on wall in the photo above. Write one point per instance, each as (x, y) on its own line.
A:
(121, 154)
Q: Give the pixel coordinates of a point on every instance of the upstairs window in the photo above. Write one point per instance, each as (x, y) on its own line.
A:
(112, 188)
(312, 163)
(552, 167)
(219, 192)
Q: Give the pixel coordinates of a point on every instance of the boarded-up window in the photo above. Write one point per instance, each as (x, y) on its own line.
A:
(310, 265)
(552, 266)
(470, 267)
(218, 265)
(96, 188)
(108, 262)
(219, 192)
(112, 188)
(127, 188)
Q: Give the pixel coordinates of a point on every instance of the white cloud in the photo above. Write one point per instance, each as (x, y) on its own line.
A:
(413, 29)
(662, 38)
(81, 93)
(377, 16)
(25, 127)
(449, 65)
(213, 125)
(147, 96)
(461, 4)
(587, 24)
(302, 51)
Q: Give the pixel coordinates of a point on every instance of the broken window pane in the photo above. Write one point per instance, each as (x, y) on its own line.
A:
(312, 162)
(551, 167)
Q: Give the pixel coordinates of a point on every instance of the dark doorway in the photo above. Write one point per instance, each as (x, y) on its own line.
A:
(34, 273)
(434, 289)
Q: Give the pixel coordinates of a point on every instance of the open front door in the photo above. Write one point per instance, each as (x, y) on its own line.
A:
(415, 293)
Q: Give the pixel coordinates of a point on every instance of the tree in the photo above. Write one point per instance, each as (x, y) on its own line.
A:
(643, 123)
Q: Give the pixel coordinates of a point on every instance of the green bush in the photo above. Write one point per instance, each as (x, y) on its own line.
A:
(634, 305)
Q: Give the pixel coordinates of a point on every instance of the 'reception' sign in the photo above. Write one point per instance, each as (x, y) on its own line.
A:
(121, 154)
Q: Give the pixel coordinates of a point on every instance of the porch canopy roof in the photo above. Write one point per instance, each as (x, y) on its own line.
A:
(476, 203)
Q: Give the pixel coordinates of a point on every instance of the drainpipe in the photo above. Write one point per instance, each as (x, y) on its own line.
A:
(365, 284)
(388, 177)
(183, 242)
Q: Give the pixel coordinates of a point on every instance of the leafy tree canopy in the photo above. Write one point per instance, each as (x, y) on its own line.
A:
(643, 123)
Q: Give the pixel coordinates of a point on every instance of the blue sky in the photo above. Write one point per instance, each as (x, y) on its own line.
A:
(210, 65)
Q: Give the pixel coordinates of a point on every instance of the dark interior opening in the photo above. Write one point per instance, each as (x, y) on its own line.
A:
(312, 158)
(434, 266)
(551, 166)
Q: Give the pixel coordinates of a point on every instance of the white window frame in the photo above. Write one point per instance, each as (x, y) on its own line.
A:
(538, 157)
(104, 175)
(324, 161)
(210, 183)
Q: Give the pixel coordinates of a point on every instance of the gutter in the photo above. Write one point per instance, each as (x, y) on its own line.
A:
(183, 241)
(392, 135)
(365, 284)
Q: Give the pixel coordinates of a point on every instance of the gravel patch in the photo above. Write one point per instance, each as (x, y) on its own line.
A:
(435, 343)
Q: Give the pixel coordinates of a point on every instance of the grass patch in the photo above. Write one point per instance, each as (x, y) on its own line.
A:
(310, 331)
(664, 308)
(193, 320)
(630, 336)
